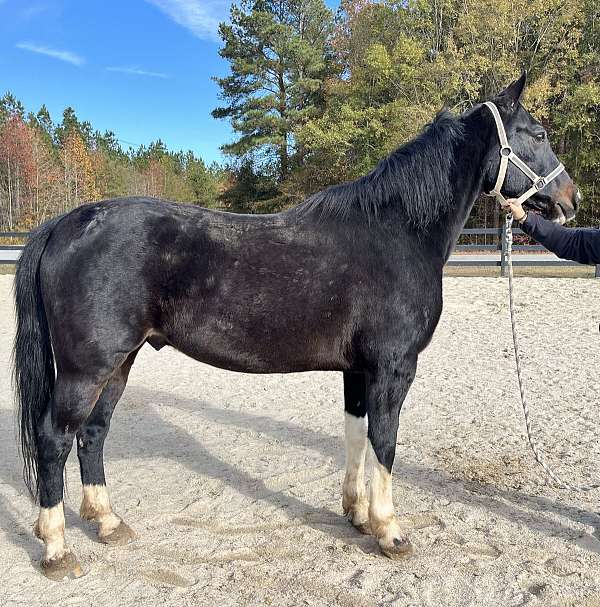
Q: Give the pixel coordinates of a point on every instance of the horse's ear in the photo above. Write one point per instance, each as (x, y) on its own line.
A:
(512, 94)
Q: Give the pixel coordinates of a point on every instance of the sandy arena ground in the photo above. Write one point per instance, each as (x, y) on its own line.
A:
(233, 482)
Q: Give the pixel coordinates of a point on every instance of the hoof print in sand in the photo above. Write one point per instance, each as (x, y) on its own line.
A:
(164, 577)
(122, 535)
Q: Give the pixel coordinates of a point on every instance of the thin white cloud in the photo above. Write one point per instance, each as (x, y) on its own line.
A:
(136, 71)
(201, 17)
(66, 56)
(33, 11)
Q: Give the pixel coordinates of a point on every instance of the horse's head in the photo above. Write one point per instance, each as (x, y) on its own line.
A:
(559, 198)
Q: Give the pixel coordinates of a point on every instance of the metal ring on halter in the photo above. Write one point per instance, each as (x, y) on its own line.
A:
(540, 184)
(506, 151)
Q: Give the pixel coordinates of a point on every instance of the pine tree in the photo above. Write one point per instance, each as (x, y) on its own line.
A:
(10, 106)
(42, 124)
(279, 58)
(71, 124)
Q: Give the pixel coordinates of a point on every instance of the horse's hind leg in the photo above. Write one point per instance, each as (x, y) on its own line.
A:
(96, 505)
(354, 500)
(72, 400)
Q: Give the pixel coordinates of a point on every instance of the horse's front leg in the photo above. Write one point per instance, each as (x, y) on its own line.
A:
(386, 390)
(354, 501)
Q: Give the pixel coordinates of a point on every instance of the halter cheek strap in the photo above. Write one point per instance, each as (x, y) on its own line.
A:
(507, 155)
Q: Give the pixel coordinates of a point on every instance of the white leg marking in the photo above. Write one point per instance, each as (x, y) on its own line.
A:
(95, 506)
(354, 501)
(50, 528)
(384, 524)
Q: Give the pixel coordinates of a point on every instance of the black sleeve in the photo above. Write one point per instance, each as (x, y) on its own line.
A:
(577, 244)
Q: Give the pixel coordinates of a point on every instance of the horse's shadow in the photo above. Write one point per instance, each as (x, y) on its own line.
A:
(162, 438)
(510, 504)
(159, 438)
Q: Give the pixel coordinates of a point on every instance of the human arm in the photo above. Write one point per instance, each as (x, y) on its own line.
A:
(576, 244)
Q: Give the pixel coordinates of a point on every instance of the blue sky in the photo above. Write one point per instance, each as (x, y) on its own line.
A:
(141, 68)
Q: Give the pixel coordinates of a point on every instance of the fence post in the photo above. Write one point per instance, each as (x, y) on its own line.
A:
(503, 254)
(597, 268)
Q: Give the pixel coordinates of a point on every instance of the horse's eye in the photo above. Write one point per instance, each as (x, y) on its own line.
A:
(540, 136)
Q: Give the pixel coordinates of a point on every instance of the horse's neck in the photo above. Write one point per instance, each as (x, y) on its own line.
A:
(467, 183)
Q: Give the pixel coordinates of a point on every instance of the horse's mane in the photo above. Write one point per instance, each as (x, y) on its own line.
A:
(415, 178)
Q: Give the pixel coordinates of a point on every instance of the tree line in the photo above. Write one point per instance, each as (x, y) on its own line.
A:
(47, 168)
(316, 97)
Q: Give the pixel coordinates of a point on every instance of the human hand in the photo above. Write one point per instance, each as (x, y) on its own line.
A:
(514, 207)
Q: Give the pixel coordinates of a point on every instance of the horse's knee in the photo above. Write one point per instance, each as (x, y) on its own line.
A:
(53, 440)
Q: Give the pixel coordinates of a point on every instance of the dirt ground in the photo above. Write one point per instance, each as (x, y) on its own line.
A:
(233, 482)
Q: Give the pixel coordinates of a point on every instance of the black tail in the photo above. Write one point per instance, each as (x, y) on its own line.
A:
(32, 356)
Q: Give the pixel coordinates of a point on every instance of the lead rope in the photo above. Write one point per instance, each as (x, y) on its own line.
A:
(536, 451)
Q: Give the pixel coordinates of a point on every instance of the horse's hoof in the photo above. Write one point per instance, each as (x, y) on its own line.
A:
(122, 535)
(60, 568)
(398, 548)
(359, 523)
(362, 527)
(358, 516)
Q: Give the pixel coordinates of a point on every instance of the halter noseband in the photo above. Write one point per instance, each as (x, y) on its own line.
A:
(506, 155)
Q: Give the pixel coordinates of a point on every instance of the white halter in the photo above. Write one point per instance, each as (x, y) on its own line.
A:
(506, 155)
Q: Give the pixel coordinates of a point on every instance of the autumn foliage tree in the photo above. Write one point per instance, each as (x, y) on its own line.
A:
(79, 176)
(18, 168)
(316, 98)
(47, 169)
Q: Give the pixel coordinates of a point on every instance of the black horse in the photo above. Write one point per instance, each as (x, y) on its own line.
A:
(350, 280)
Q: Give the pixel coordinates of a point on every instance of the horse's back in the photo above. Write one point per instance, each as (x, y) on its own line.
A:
(263, 293)
(223, 288)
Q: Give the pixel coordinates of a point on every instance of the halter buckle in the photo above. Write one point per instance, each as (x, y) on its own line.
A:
(506, 151)
(540, 184)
